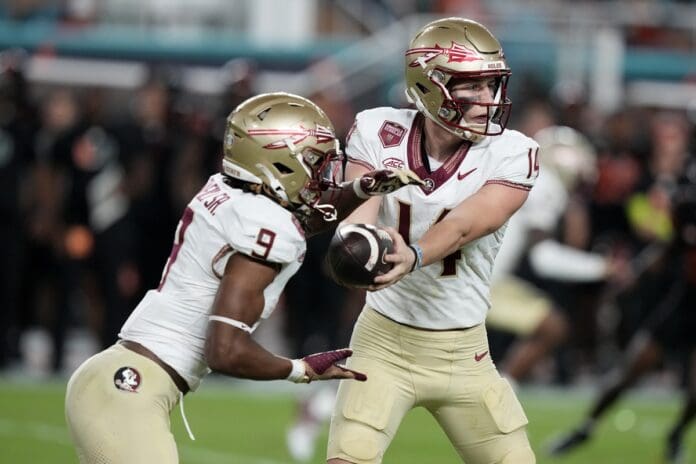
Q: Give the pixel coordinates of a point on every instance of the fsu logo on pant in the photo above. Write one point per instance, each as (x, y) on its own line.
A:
(127, 379)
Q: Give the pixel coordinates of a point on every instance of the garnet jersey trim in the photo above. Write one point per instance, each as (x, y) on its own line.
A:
(415, 154)
(507, 183)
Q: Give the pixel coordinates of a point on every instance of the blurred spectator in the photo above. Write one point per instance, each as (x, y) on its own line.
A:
(668, 328)
(619, 174)
(148, 139)
(47, 274)
(18, 125)
(100, 236)
(647, 209)
(240, 76)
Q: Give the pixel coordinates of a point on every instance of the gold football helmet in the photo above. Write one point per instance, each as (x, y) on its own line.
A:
(567, 153)
(457, 48)
(285, 144)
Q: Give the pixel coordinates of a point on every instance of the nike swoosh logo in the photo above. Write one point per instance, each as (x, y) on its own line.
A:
(462, 176)
(478, 357)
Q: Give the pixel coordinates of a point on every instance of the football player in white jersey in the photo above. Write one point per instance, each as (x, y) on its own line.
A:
(568, 161)
(237, 244)
(421, 337)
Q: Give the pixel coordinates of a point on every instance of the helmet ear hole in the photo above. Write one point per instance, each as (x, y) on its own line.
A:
(423, 89)
(283, 169)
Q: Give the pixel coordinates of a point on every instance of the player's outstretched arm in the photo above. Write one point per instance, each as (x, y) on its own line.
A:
(363, 186)
(229, 348)
(382, 182)
(480, 214)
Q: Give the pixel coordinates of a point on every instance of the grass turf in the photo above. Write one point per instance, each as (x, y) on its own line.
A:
(242, 425)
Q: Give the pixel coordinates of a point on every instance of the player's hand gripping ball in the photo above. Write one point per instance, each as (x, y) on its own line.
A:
(356, 255)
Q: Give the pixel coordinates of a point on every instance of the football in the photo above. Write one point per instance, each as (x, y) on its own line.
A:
(356, 254)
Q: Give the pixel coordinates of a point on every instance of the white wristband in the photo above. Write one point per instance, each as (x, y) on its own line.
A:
(298, 374)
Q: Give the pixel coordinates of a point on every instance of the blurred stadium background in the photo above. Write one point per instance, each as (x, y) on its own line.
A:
(111, 116)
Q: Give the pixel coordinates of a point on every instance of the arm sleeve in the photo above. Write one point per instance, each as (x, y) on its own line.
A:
(518, 165)
(553, 260)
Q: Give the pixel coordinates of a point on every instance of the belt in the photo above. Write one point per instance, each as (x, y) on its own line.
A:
(141, 350)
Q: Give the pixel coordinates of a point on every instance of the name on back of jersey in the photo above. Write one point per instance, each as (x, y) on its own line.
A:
(212, 196)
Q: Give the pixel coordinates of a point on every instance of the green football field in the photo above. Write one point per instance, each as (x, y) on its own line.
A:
(244, 424)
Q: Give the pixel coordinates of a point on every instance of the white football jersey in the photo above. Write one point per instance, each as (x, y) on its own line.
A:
(172, 320)
(542, 211)
(453, 293)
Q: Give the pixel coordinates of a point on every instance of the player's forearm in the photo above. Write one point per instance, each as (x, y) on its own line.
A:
(246, 359)
(344, 199)
(476, 217)
(443, 239)
(452, 233)
(229, 348)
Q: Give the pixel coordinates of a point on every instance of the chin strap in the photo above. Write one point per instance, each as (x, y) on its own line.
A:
(275, 185)
(470, 136)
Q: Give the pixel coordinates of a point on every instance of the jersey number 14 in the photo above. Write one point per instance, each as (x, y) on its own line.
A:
(449, 262)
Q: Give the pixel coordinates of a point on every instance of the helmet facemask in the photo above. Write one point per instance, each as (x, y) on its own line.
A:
(452, 113)
(326, 171)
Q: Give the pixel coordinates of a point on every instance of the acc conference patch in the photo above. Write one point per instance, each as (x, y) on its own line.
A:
(127, 379)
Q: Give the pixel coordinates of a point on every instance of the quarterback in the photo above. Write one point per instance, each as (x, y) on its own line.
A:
(421, 337)
(238, 242)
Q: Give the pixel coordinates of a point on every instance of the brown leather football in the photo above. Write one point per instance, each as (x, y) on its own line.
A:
(356, 254)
